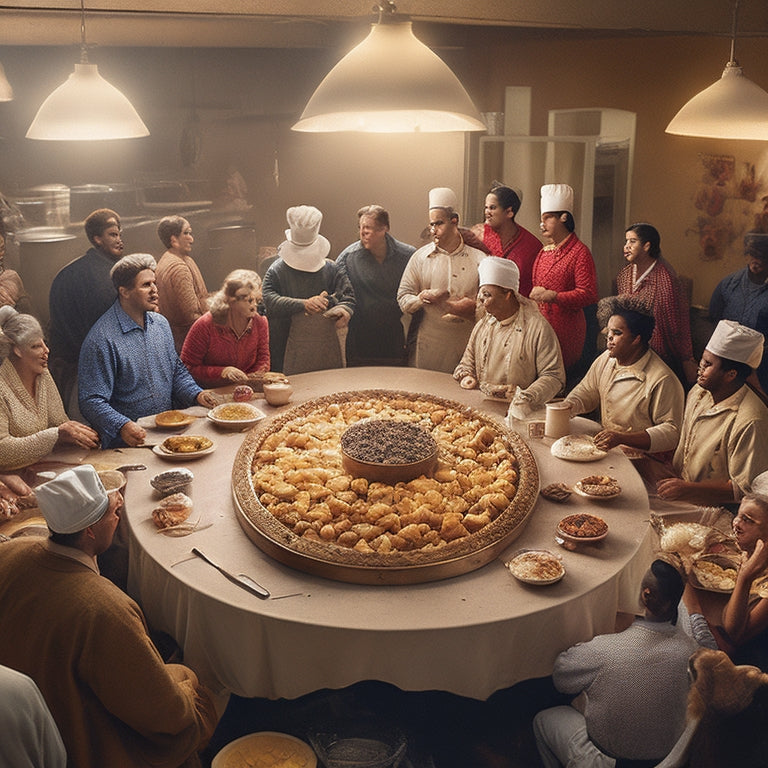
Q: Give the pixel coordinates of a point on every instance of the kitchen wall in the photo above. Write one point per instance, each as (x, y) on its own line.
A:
(246, 101)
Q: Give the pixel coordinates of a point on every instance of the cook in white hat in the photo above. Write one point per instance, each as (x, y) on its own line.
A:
(513, 353)
(736, 342)
(304, 248)
(499, 272)
(724, 438)
(557, 220)
(79, 511)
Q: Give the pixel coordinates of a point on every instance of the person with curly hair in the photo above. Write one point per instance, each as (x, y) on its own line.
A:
(641, 400)
(231, 340)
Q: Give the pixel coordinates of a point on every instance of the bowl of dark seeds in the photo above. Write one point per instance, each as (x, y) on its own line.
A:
(388, 451)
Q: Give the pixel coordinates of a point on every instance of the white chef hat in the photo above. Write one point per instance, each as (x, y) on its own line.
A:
(304, 248)
(556, 197)
(443, 197)
(494, 270)
(73, 500)
(737, 342)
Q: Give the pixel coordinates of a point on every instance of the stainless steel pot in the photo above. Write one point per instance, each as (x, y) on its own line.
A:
(86, 198)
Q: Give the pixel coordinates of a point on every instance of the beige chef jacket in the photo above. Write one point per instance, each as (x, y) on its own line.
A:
(521, 351)
(439, 343)
(723, 441)
(643, 396)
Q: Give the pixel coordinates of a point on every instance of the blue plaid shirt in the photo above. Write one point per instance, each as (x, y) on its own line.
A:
(127, 372)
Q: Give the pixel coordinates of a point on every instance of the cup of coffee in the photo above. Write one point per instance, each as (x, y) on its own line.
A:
(277, 393)
(558, 420)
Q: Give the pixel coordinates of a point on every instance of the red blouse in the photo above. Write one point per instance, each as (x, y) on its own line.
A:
(209, 348)
(569, 270)
(522, 250)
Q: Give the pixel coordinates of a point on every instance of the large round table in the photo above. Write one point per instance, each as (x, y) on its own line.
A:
(470, 635)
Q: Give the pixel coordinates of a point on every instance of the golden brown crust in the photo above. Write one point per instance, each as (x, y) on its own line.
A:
(303, 436)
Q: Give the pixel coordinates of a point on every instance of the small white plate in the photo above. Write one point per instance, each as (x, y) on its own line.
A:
(256, 415)
(515, 565)
(577, 448)
(158, 450)
(595, 497)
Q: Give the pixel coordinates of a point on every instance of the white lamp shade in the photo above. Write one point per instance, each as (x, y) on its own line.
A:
(85, 108)
(732, 108)
(6, 90)
(390, 83)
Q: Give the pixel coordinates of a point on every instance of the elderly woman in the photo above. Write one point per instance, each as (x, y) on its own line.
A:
(512, 352)
(564, 278)
(232, 339)
(32, 417)
(650, 277)
(505, 237)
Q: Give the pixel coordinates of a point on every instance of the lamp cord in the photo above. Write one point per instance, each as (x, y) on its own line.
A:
(385, 6)
(733, 34)
(83, 44)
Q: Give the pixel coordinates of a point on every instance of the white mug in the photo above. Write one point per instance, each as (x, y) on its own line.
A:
(558, 421)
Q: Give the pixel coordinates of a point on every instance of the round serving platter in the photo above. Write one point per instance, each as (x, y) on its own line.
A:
(396, 567)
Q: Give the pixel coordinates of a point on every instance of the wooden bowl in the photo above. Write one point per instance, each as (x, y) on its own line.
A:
(375, 472)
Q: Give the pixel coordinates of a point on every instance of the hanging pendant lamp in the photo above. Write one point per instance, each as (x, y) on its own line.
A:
(6, 89)
(732, 108)
(390, 83)
(86, 107)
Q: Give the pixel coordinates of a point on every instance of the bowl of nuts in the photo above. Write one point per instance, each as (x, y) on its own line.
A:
(388, 451)
(582, 527)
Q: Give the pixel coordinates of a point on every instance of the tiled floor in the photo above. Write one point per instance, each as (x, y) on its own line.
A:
(443, 730)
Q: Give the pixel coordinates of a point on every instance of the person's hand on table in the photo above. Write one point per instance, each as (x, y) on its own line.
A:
(607, 439)
(75, 433)
(207, 399)
(133, 435)
(468, 382)
(232, 373)
(314, 305)
(13, 485)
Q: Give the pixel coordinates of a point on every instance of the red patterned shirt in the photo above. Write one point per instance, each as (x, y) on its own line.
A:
(569, 270)
(663, 292)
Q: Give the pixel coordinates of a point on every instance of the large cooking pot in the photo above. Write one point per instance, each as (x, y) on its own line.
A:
(86, 198)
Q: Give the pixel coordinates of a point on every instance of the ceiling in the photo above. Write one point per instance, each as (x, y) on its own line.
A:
(328, 23)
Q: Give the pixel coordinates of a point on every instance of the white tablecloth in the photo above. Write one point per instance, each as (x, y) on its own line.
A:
(470, 635)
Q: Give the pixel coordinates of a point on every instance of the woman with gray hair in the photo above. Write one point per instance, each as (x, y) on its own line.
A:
(32, 416)
(232, 339)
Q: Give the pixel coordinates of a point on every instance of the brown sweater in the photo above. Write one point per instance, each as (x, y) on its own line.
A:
(85, 644)
(182, 293)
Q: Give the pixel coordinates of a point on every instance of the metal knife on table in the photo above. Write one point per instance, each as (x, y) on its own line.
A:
(246, 582)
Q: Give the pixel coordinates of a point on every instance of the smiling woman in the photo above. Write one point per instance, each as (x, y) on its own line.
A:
(32, 417)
